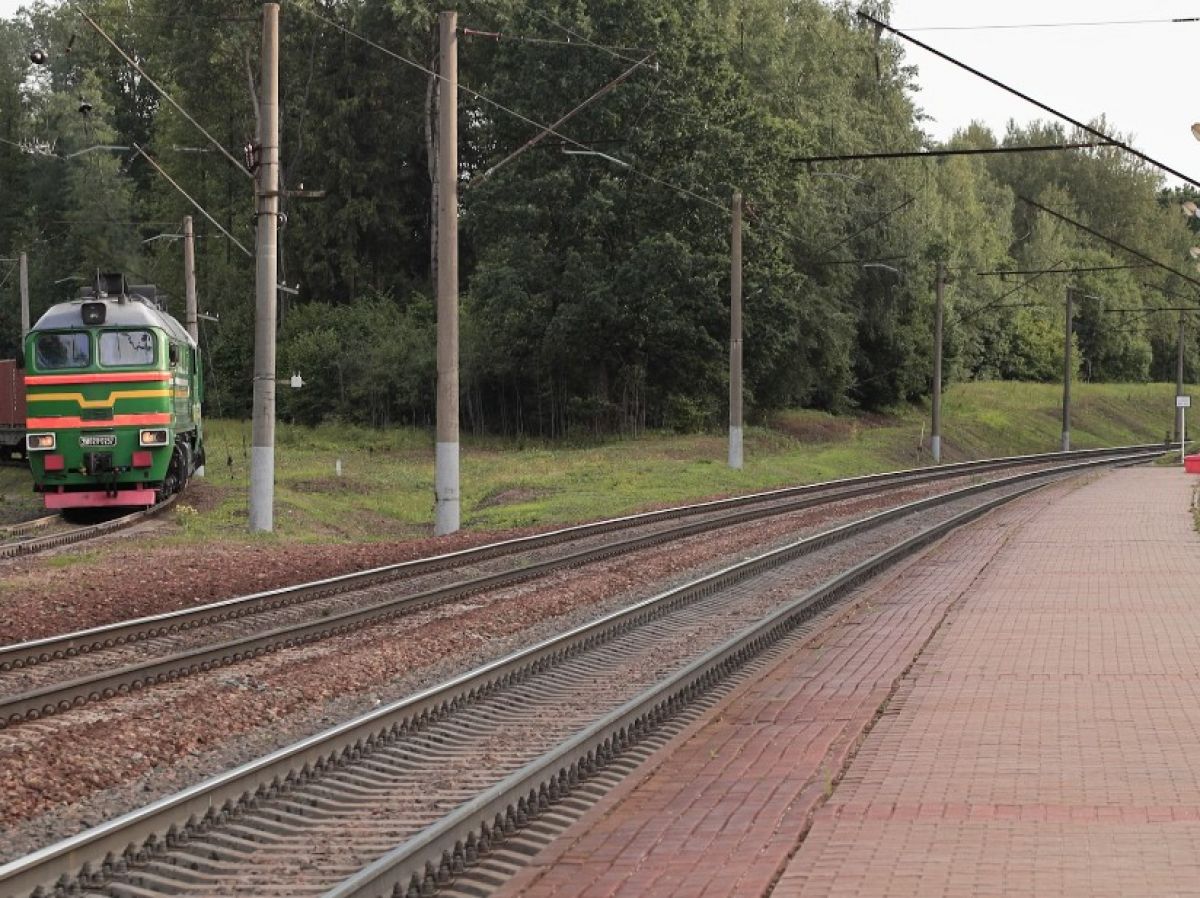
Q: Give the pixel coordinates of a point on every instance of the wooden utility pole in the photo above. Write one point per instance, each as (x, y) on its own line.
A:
(1179, 380)
(24, 277)
(1066, 410)
(262, 449)
(189, 279)
(445, 484)
(735, 336)
(935, 439)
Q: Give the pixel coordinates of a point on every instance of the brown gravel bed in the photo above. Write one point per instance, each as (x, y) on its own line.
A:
(52, 594)
(795, 523)
(71, 771)
(36, 598)
(568, 699)
(680, 637)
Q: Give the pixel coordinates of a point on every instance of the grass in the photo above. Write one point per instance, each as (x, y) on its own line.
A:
(385, 490)
(70, 559)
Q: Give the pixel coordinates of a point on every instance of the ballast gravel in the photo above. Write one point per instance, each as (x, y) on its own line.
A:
(65, 773)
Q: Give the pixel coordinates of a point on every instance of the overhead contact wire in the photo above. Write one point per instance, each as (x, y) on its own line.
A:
(162, 92)
(684, 191)
(995, 82)
(189, 198)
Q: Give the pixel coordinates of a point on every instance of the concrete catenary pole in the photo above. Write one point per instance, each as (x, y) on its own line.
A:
(24, 294)
(189, 279)
(1179, 379)
(446, 488)
(262, 448)
(1066, 410)
(935, 439)
(735, 335)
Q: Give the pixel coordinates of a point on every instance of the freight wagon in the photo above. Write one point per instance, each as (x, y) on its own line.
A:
(12, 410)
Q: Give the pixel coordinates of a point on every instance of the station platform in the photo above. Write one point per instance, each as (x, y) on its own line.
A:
(1015, 712)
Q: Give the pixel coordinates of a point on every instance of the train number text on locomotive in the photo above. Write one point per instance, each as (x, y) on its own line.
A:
(98, 439)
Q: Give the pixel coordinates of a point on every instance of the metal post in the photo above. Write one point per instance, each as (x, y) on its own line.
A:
(1183, 435)
(935, 438)
(1066, 414)
(1179, 380)
(735, 336)
(262, 449)
(446, 484)
(189, 278)
(24, 295)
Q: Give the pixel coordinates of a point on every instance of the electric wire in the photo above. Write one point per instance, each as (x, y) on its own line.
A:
(501, 36)
(1165, 291)
(1031, 25)
(975, 313)
(1105, 238)
(191, 18)
(157, 87)
(582, 38)
(969, 316)
(533, 141)
(188, 197)
(8, 274)
(12, 143)
(874, 224)
(995, 82)
(662, 182)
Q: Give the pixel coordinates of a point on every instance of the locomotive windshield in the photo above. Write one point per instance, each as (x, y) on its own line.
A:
(126, 348)
(63, 351)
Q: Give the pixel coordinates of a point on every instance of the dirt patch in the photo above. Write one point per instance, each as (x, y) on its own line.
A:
(328, 486)
(204, 496)
(513, 496)
(814, 429)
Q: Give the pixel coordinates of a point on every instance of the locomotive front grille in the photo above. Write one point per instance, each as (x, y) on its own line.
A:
(98, 462)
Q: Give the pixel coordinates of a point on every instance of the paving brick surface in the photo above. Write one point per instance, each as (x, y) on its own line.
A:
(1040, 680)
(721, 810)
(1047, 741)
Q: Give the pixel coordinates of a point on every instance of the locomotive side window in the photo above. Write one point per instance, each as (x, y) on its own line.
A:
(62, 351)
(126, 348)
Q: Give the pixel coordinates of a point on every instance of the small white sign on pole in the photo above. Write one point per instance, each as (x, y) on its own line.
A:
(1183, 403)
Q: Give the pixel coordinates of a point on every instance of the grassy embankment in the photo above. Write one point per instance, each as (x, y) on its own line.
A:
(386, 487)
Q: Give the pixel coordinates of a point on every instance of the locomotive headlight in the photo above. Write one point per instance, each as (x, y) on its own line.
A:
(152, 437)
(40, 442)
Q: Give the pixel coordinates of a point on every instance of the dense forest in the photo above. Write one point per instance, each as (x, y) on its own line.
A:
(595, 287)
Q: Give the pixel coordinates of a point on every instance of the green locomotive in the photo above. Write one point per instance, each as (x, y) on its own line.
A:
(113, 386)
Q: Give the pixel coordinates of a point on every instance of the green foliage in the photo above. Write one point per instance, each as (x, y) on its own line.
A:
(367, 363)
(595, 296)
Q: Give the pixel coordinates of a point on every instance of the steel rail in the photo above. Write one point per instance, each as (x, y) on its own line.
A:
(430, 858)
(40, 651)
(27, 526)
(79, 534)
(68, 645)
(63, 696)
(91, 856)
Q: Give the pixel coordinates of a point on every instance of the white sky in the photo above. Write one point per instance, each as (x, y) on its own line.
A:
(1139, 76)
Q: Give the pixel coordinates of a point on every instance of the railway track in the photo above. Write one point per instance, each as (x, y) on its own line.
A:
(401, 801)
(49, 676)
(23, 527)
(15, 539)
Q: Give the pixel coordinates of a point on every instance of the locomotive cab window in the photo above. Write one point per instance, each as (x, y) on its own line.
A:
(120, 349)
(55, 351)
